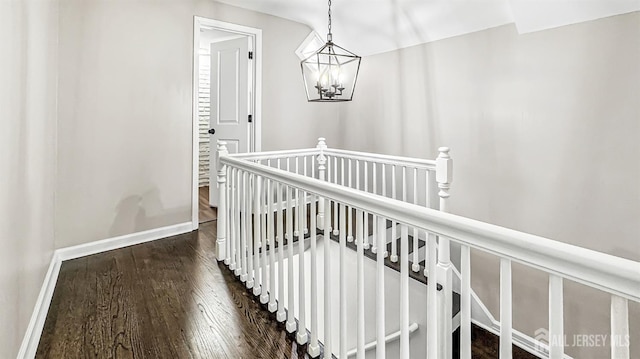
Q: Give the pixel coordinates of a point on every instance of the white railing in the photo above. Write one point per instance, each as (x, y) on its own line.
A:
(267, 198)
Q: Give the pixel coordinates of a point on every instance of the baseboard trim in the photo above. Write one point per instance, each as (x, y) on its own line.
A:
(36, 323)
(126, 240)
(32, 335)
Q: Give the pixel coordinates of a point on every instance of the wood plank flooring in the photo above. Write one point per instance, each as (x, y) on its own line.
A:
(171, 299)
(205, 212)
(164, 299)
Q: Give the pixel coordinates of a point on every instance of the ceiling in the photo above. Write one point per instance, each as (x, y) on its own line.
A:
(368, 27)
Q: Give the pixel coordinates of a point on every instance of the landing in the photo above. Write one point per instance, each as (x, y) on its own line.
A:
(169, 299)
(163, 299)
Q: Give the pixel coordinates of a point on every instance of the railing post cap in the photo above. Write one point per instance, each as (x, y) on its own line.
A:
(444, 167)
(221, 149)
(321, 143)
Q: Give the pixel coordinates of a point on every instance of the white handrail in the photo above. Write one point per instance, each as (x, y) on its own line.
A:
(603, 271)
(274, 154)
(354, 155)
(380, 158)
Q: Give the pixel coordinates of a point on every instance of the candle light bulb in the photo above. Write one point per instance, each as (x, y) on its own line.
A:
(335, 75)
(323, 81)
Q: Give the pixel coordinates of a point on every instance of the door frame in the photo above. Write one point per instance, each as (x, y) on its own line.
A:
(255, 138)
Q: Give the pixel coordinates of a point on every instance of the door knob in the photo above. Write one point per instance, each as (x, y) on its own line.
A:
(212, 131)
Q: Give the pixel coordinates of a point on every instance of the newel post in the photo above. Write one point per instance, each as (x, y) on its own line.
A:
(322, 167)
(221, 241)
(444, 177)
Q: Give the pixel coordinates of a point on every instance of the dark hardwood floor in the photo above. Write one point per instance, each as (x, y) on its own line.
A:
(170, 299)
(164, 299)
(205, 212)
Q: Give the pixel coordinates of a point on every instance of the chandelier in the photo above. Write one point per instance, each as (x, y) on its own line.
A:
(330, 74)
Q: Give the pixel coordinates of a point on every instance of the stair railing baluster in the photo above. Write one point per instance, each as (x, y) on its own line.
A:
(343, 282)
(248, 231)
(228, 212)
(506, 335)
(291, 321)
(404, 289)
(444, 275)
(239, 223)
(382, 239)
(302, 307)
(404, 199)
(383, 177)
(281, 314)
(374, 235)
(296, 193)
(357, 186)
(428, 236)
(365, 225)
(221, 237)
(266, 279)
(336, 230)
(416, 232)
(305, 224)
(432, 300)
(349, 213)
(314, 348)
(322, 168)
(360, 281)
(233, 234)
(257, 281)
(380, 300)
(620, 339)
(465, 302)
(556, 320)
(327, 279)
(330, 171)
(273, 305)
(394, 227)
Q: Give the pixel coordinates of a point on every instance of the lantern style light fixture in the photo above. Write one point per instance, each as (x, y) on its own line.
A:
(330, 74)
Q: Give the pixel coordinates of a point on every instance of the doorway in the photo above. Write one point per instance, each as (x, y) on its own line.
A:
(227, 74)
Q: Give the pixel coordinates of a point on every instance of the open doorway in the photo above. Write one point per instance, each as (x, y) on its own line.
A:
(226, 103)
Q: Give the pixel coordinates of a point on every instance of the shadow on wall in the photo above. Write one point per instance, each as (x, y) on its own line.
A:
(146, 211)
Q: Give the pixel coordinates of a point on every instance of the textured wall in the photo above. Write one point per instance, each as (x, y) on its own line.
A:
(544, 130)
(125, 110)
(28, 35)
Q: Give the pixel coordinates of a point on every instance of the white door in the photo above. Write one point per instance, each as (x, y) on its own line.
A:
(229, 119)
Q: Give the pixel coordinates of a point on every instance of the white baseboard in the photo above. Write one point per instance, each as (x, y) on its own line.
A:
(126, 240)
(36, 323)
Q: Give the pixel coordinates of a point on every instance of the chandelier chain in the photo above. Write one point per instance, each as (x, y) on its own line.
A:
(329, 26)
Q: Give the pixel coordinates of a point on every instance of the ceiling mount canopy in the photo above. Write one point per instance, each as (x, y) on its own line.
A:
(331, 72)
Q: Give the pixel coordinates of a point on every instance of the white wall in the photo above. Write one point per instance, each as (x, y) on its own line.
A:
(28, 35)
(545, 136)
(125, 108)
